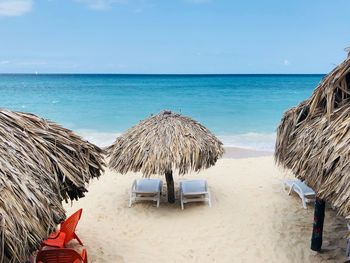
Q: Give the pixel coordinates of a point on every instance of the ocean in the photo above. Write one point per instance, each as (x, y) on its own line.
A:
(242, 110)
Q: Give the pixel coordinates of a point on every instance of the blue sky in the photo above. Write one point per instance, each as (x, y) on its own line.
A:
(173, 36)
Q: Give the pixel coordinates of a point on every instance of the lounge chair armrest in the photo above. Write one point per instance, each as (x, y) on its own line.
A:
(144, 192)
(62, 237)
(54, 235)
(195, 193)
(296, 186)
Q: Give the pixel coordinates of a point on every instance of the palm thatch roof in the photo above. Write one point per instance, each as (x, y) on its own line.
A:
(41, 164)
(165, 142)
(313, 139)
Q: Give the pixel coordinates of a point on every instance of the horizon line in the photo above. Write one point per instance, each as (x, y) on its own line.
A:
(163, 74)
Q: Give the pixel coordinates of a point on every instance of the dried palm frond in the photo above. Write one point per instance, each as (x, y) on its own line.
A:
(165, 142)
(313, 139)
(41, 164)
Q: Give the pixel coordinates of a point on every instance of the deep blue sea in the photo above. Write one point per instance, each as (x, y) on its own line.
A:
(243, 110)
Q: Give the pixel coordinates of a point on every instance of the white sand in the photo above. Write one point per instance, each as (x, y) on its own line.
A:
(252, 220)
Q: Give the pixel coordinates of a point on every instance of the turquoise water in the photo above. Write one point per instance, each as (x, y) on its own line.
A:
(243, 110)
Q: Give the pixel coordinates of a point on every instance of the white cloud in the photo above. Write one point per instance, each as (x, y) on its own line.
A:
(286, 62)
(15, 7)
(101, 4)
(23, 63)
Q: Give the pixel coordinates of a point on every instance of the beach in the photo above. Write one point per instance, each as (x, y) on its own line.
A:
(251, 219)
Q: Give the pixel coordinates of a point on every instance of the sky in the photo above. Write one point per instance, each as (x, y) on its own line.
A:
(173, 36)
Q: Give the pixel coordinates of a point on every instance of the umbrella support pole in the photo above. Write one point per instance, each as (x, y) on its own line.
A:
(317, 231)
(170, 186)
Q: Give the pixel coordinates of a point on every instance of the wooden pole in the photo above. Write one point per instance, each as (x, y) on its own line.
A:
(170, 185)
(316, 240)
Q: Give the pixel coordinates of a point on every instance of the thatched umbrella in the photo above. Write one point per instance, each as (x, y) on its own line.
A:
(313, 140)
(41, 164)
(162, 144)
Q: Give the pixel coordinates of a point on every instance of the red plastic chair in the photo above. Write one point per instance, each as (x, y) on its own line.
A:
(66, 232)
(61, 255)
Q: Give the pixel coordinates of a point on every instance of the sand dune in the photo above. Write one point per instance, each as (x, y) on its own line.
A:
(252, 220)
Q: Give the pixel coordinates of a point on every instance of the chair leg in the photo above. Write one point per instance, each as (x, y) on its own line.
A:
(158, 199)
(77, 238)
(130, 201)
(84, 256)
(182, 202)
(304, 202)
(209, 199)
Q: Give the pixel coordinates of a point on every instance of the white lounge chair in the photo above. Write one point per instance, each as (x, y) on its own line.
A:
(194, 191)
(146, 189)
(306, 194)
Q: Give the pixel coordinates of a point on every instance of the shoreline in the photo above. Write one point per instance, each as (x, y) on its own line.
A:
(243, 153)
(250, 144)
(104, 140)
